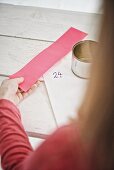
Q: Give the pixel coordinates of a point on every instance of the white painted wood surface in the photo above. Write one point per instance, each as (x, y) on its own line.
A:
(91, 6)
(35, 142)
(24, 32)
(43, 24)
(65, 92)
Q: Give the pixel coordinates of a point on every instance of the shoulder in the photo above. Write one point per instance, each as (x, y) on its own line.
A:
(60, 141)
(57, 152)
(64, 135)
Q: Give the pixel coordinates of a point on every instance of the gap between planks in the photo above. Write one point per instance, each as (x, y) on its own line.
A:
(32, 39)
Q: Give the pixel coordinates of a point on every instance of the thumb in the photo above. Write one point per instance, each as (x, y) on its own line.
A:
(19, 80)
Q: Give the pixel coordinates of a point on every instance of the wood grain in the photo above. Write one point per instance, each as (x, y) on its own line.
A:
(43, 24)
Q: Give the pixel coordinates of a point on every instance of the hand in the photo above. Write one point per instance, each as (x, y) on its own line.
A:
(9, 90)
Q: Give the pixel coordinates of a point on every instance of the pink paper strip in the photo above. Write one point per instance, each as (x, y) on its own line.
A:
(48, 57)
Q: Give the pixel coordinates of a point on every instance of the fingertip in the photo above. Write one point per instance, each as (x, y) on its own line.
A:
(20, 79)
(35, 86)
(38, 82)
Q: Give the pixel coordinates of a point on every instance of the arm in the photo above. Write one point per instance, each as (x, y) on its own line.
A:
(14, 143)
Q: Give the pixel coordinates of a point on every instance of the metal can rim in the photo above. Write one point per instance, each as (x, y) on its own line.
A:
(80, 42)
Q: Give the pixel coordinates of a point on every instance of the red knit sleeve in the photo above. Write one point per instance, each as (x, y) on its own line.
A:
(14, 143)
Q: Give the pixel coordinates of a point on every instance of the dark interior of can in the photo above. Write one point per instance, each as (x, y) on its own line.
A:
(84, 50)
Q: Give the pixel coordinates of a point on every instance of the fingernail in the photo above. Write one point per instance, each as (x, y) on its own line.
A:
(22, 78)
(35, 85)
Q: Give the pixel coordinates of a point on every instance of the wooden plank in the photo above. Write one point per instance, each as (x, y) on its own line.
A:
(93, 6)
(15, 53)
(35, 142)
(37, 115)
(43, 24)
(66, 92)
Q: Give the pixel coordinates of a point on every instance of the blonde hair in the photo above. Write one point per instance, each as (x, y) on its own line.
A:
(97, 110)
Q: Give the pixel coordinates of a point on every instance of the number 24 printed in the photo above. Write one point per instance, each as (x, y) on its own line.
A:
(57, 75)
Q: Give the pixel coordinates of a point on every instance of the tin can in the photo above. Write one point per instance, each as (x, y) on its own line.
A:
(82, 54)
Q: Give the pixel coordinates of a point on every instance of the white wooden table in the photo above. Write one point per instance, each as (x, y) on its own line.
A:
(26, 31)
